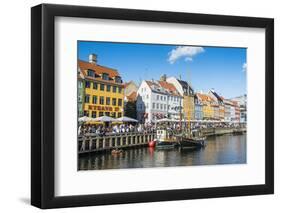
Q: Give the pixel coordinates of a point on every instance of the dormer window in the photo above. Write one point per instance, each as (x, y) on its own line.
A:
(118, 79)
(90, 73)
(105, 76)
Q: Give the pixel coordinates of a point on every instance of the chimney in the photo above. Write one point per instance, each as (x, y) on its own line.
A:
(93, 58)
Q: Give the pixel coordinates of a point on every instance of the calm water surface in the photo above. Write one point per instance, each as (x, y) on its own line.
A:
(225, 149)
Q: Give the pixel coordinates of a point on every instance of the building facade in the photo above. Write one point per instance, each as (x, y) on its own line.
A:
(242, 101)
(227, 110)
(80, 93)
(198, 108)
(130, 99)
(103, 89)
(208, 108)
(157, 100)
(219, 105)
(187, 92)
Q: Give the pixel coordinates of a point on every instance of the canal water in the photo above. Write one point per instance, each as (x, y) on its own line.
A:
(225, 149)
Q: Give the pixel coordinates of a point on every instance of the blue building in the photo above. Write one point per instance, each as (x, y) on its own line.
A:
(198, 109)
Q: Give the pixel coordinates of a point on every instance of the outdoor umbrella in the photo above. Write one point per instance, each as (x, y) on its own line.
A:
(84, 119)
(126, 119)
(104, 119)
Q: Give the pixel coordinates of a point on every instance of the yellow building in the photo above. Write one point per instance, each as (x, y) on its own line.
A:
(208, 109)
(188, 106)
(104, 91)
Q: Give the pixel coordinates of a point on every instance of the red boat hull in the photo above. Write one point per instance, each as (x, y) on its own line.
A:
(152, 143)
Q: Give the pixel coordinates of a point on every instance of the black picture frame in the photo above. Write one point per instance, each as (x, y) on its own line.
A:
(43, 105)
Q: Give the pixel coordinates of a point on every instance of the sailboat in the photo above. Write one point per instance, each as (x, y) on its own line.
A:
(190, 139)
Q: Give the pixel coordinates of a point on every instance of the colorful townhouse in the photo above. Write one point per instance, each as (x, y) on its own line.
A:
(187, 92)
(157, 100)
(208, 109)
(242, 101)
(198, 108)
(130, 99)
(80, 93)
(218, 106)
(103, 89)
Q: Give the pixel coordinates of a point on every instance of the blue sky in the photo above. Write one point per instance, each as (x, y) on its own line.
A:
(223, 69)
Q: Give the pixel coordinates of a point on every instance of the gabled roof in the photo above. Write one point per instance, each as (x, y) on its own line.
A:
(98, 69)
(132, 96)
(163, 86)
(216, 95)
(204, 97)
(169, 87)
(184, 83)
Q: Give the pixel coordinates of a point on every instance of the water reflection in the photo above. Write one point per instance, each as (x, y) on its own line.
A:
(225, 149)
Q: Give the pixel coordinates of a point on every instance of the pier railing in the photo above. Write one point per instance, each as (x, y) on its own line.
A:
(95, 143)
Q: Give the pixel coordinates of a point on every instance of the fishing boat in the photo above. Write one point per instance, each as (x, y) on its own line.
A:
(165, 139)
(192, 142)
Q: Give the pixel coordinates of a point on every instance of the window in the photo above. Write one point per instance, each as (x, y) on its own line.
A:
(107, 113)
(95, 99)
(161, 106)
(157, 97)
(87, 84)
(107, 100)
(113, 114)
(102, 100)
(161, 98)
(120, 89)
(108, 88)
(119, 102)
(90, 73)
(95, 85)
(147, 96)
(114, 101)
(86, 113)
(164, 98)
(114, 89)
(164, 106)
(118, 79)
(87, 99)
(153, 105)
(80, 84)
(100, 114)
(102, 87)
(119, 114)
(94, 114)
(105, 76)
(157, 106)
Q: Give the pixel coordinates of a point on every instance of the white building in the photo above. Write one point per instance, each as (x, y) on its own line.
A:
(157, 100)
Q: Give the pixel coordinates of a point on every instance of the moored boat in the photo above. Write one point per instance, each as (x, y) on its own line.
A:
(165, 139)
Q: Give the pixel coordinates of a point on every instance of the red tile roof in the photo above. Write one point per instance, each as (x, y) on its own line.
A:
(205, 97)
(98, 69)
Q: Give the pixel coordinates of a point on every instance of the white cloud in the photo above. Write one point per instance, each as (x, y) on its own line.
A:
(185, 52)
(244, 67)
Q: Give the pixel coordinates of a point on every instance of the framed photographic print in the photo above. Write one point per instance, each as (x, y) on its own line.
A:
(141, 106)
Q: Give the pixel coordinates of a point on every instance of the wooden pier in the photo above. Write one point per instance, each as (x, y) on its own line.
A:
(95, 143)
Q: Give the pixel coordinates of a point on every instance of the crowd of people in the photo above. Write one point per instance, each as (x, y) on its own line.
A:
(108, 129)
(112, 129)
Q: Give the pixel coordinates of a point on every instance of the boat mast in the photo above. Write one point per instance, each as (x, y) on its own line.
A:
(188, 110)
